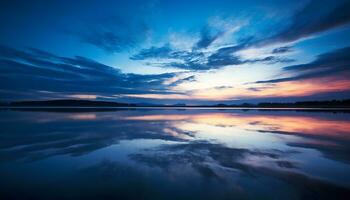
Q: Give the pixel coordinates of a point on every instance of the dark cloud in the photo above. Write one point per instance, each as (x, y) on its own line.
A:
(115, 34)
(190, 60)
(188, 65)
(219, 60)
(154, 52)
(338, 59)
(224, 56)
(183, 80)
(196, 60)
(223, 87)
(254, 89)
(335, 63)
(284, 49)
(271, 60)
(167, 52)
(35, 70)
(316, 17)
(112, 25)
(207, 37)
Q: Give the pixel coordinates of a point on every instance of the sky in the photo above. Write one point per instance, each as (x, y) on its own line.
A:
(162, 51)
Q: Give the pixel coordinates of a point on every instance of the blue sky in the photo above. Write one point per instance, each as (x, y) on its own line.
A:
(170, 52)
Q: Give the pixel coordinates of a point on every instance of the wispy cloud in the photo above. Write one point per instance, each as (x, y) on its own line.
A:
(201, 60)
(207, 37)
(316, 17)
(115, 34)
(41, 71)
(311, 20)
(329, 64)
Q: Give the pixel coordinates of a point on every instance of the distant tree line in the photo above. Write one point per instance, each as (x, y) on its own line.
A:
(88, 103)
(66, 103)
(299, 104)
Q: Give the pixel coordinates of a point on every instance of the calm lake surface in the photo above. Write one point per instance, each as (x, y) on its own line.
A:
(174, 154)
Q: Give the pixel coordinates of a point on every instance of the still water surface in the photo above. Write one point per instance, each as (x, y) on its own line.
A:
(174, 154)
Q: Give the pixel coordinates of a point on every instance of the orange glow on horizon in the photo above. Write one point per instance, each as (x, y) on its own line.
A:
(85, 116)
(282, 89)
(266, 90)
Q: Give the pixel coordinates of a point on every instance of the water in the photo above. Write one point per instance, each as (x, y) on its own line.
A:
(174, 154)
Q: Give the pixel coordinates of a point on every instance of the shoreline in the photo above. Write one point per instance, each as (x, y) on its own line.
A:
(176, 107)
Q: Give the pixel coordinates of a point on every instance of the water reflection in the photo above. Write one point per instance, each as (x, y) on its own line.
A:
(175, 154)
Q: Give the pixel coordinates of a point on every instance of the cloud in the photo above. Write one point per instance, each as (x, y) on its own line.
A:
(33, 71)
(316, 17)
(191, 65)
(280, 50)
(338, 59)
(119, 33)
(331, 64)
(198, 154)
(190, 60)
(225, 57)
(183, 80)
(207, 37)
(167, 52)
(204, 158)
(154, 52)
(197, 60)
(196, 159)
(64, 138)
(115, 34)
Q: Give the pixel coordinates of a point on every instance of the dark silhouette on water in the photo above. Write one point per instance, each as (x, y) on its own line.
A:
(89, 103)
(67, 103)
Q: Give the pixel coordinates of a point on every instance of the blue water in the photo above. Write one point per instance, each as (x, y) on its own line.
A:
(174, 154)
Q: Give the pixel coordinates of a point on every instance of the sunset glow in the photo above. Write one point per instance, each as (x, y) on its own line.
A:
(175, 99)
(228, 52)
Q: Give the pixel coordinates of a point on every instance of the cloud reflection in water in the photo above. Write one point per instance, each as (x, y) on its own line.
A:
(230, 153)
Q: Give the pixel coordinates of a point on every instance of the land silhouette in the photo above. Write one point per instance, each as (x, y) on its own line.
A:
(89, 103)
